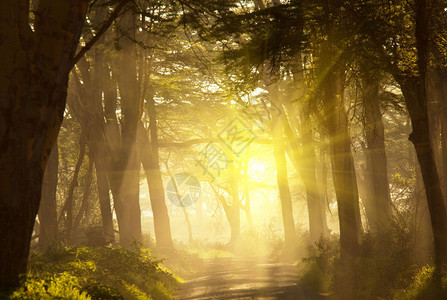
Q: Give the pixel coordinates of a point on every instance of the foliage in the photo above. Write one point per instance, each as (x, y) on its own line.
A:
(95, 273)
(424, 285)
(385, 265)
(320, 263)
(59, 286)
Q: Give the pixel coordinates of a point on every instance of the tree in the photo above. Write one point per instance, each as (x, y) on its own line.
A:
(400, 37)
(126, 165)
(47, 210)
(378, 195)
(36, 62)
(33, 102)
(415, 92)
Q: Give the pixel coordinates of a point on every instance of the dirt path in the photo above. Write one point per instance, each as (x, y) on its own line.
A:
(242, 278)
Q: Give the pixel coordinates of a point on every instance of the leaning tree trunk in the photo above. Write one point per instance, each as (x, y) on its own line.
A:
(68, 208)
(415, 93)
(47, 209)
(32, 106)
(161, 216)
(416, 100)
(151, 167)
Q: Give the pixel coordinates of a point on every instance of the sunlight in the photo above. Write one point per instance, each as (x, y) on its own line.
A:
(256, 169)
(262, 149)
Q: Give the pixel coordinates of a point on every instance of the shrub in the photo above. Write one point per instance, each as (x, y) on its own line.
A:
(95, 273)
(384, 265)
(59, 286)
(424, 285)
(320, 265)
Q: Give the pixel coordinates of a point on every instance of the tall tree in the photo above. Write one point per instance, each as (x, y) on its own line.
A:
(151, 167)
(126, 166)
(343, 171)
(283, 183)
(378, 196)
(415, 92)
(33, 103)
(35, 64)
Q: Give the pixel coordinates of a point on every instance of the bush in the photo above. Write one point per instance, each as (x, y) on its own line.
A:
(95, 273)
(384, 265)
(60, 286)
(424, 285)
(319, 265)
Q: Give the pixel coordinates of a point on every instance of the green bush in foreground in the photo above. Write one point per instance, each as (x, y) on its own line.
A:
(95, 273)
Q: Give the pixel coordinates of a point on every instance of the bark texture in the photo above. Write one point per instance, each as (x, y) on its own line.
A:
(283, 183)
(33, 82)
(151, 167)
(343, 171)
(47, 210)
(380, 214)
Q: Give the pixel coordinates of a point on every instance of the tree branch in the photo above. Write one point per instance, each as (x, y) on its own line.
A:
(193, 142)
(101, 31)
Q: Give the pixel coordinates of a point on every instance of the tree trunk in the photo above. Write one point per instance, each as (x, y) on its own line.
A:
(380, 216)
(246, 187)
(151, 167)
(423, 249)
(415, 93)
(83, 209)
(343, 172)
(317, 218)
(69, 203)
(234, 211)
(126, 170)
(104, 203)
(32, 107)
(179, 198)
(231, 211)
(437, 111)
(322, 180)
(304, 155)
(87, 108)
(283, 184)
(47, 210)
(444, 151)
(415, 98)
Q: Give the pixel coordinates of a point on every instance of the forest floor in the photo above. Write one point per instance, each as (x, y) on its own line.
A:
(244, 278)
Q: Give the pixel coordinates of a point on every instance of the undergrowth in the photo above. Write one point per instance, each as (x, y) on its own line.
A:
(95, 273)
(385, 269)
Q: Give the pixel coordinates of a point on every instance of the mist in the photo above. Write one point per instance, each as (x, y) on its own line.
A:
(223, 149)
